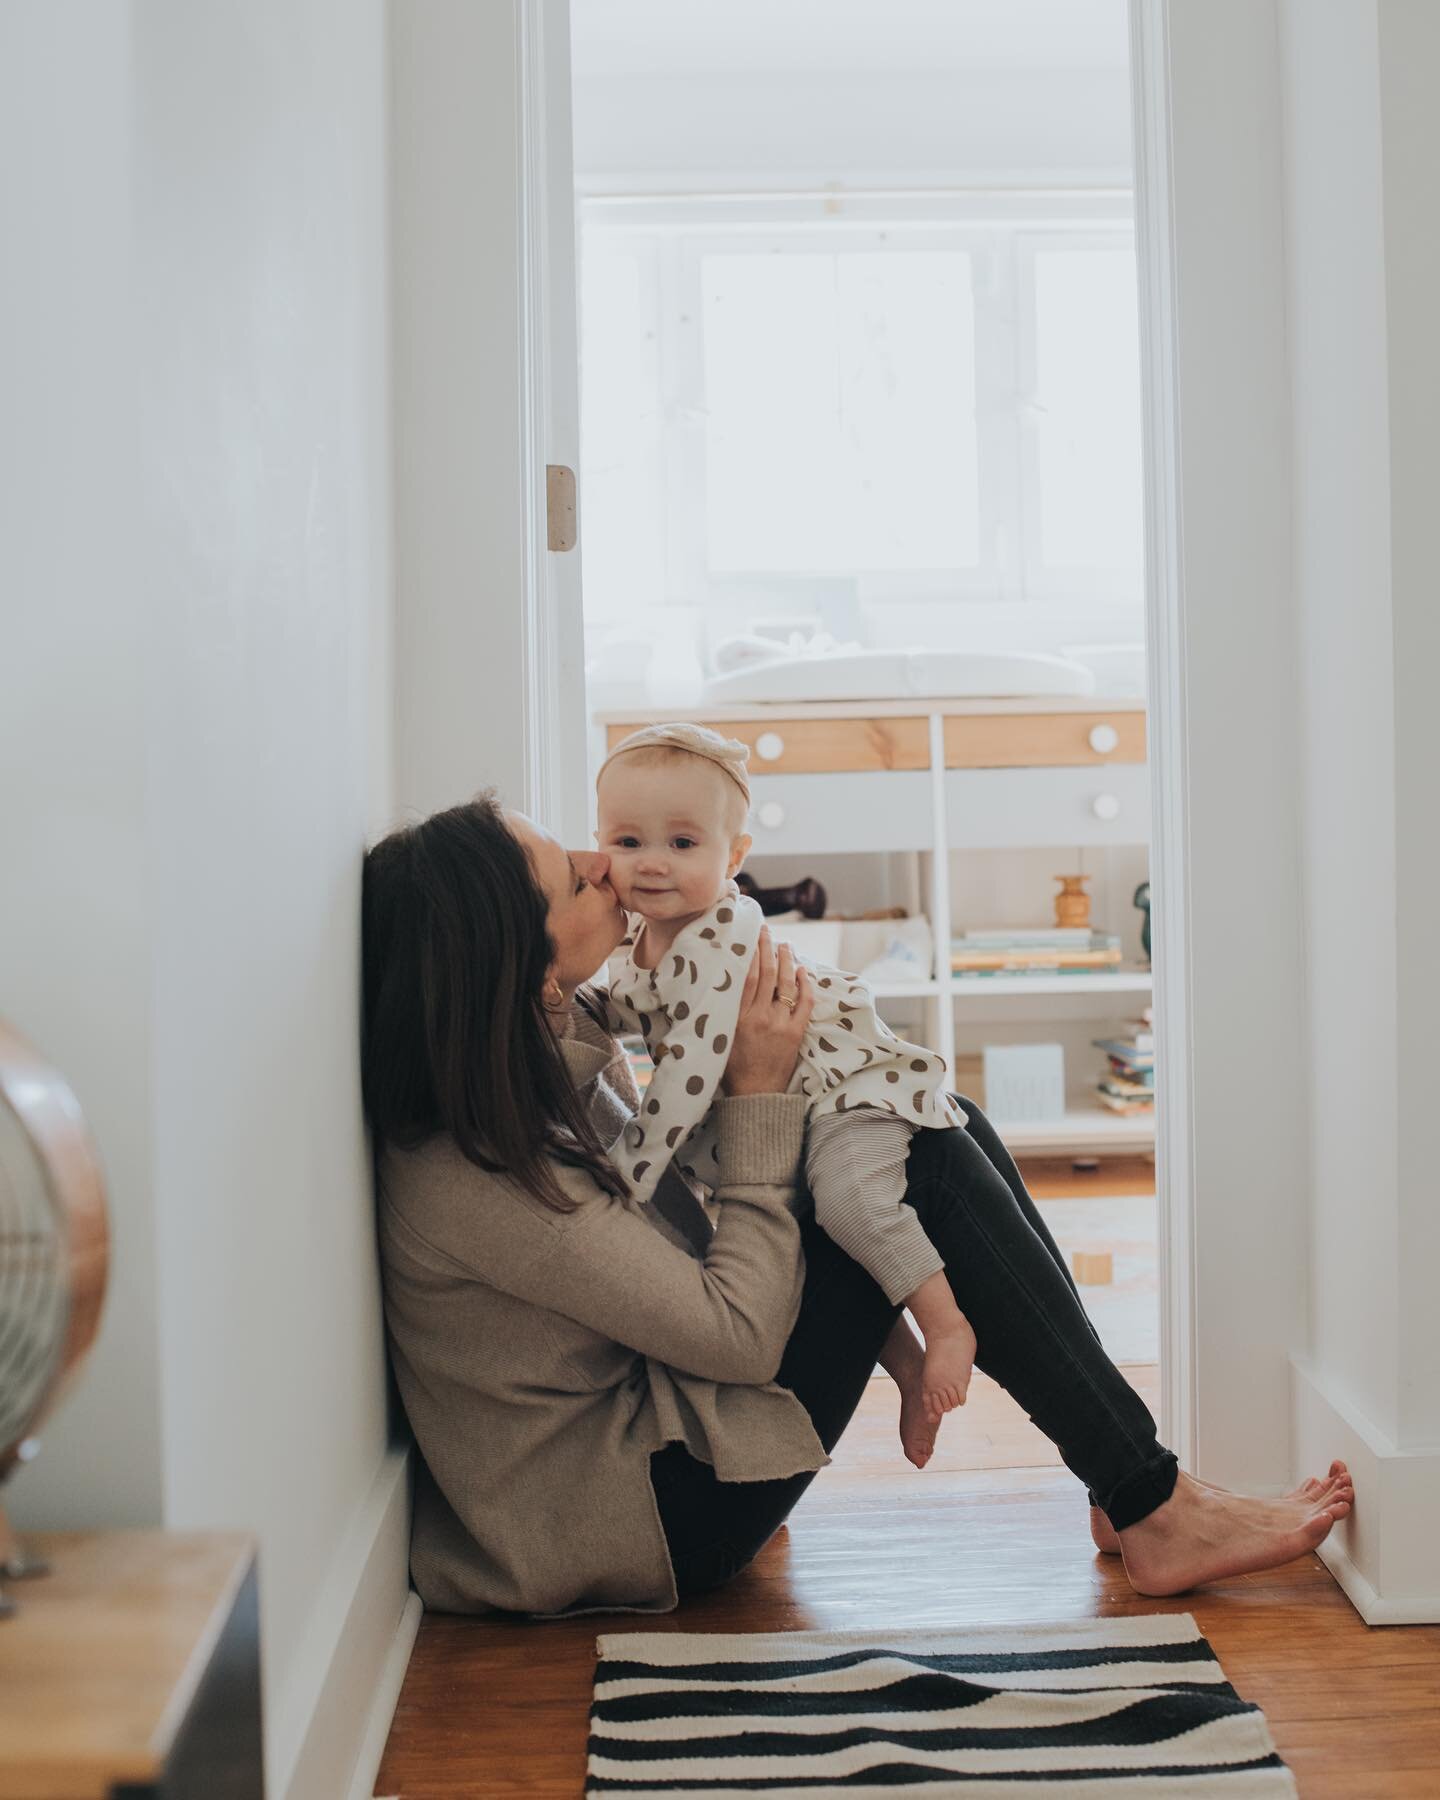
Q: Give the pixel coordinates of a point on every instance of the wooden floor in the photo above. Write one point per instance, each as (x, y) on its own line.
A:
(499, 1708)
(991, 1532)
(1058, 1178)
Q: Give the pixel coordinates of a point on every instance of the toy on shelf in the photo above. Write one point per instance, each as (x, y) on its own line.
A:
(1072, 903)
(806, 897)
(1142, 900)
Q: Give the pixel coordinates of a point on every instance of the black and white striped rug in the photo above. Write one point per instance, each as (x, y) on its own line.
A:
(1132, 1706)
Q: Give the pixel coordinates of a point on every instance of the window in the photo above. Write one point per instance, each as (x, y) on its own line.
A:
(898, 407)
(825, 449)
(1084, 475)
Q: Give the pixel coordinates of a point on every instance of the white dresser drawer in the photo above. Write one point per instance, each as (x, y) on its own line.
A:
(817, 814)
(1012, 809)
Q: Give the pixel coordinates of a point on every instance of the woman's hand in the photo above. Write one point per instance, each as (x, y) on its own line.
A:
(775, 1007)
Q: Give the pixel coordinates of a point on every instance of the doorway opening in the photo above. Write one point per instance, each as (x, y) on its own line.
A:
(865, 474)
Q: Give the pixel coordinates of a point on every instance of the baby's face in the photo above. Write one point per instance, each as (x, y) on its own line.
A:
(668, 830)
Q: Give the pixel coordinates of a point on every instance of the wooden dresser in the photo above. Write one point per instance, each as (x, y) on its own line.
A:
(935, 775)
(132, 1670)
(924, 778)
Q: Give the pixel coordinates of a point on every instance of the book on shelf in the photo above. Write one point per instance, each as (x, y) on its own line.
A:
(1079, 937)
(1117, 1103)
(1034, 962)
(1128, 1082)
(1054, 937)
(1114, 1082)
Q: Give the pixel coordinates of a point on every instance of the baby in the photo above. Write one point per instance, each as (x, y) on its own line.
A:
(673, 800)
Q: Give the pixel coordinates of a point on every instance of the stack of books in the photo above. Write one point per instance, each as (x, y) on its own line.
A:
(1128, 1084)
(1057, 950)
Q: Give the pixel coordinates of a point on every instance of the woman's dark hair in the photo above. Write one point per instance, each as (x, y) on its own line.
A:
(455, 1036)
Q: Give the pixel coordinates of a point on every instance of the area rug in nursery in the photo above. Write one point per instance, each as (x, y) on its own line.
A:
(1125, 1707)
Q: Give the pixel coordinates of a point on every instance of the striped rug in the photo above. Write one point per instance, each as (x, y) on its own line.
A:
(1106, 1707)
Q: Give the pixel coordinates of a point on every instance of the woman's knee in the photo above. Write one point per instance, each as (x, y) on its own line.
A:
(952, 1156)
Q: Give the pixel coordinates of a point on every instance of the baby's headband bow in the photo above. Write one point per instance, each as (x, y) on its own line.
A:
(728, 754)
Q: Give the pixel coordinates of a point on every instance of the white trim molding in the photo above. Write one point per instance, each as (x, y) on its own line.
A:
(1225, 750)
(538, 660)
(386, 1699)
(1386, 1556)
(356, 1647)
(1167, 723)
(553, 673)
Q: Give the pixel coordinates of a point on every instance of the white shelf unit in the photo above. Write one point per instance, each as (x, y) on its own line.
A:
(979, 987)
(934, 811)
(1086, 1125)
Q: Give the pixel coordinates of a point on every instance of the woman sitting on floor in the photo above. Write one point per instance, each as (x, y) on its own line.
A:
(616, 1404)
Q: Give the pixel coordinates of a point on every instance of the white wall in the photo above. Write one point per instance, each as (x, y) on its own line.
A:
(775, 130)
(1237, 638)
(74, 930)
(1336, 278)
(459, 522)
(758, 97)
(261, 181)
(1409, 35)
(201, 567)
(1363, 249)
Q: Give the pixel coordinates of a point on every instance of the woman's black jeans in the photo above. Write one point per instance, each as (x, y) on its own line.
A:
(1010, 1281)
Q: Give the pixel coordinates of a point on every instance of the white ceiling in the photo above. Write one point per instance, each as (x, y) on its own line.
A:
(736, 37)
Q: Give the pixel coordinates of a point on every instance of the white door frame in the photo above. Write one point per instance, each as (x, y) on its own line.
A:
(554, 632)
(1166, 724)
(554, 636)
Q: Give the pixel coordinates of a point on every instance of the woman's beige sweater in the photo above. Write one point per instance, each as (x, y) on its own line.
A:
(542, 1356)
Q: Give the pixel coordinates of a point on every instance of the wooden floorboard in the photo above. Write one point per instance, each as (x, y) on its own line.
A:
(496, 1707)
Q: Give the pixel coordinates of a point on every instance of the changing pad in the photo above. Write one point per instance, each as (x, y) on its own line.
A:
(903, 675)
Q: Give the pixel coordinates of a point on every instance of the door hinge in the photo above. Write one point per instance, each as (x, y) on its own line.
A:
(559, 507)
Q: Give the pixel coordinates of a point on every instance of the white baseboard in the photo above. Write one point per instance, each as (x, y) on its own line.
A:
(356, 1651)
(387, 1695)
(1371, 1607)
(1386, 1555)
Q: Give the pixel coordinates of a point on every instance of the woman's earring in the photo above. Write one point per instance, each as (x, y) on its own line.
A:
(554, 996)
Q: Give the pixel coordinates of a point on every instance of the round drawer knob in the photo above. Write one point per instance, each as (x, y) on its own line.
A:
(1105, 806)
(771, 815)
(769, 745)
(1104, 739)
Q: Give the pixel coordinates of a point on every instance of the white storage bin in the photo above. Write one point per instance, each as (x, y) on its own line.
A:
(1024, 1082)
(817, 939)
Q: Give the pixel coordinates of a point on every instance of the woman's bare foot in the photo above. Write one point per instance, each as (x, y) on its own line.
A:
(1205, 1534)
(1311, 1493)
(918, 1430)
(949, 1364)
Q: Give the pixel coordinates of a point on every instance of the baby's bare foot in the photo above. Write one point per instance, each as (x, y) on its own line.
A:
(1204, 1534)
(949, 1364)
(1311, 1494)
(918, 1430)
